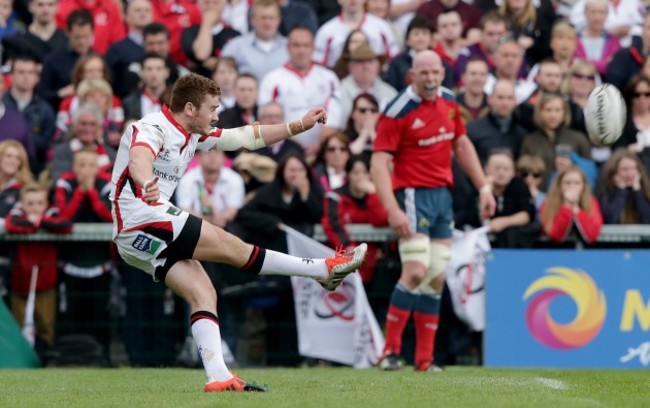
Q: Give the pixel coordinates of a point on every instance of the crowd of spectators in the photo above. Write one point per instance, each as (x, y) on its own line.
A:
(76, 73)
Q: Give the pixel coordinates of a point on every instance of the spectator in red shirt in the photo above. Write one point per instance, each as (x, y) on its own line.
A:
(107, 17)
(176, 15)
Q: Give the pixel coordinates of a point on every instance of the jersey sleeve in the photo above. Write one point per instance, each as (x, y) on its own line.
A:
(388, 134)
(146, 136)
(209, 142)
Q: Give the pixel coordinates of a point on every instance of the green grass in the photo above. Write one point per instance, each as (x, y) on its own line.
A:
(328, 387)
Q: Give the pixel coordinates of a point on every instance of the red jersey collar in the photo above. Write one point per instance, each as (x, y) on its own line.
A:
(298, 73)
(170, 118)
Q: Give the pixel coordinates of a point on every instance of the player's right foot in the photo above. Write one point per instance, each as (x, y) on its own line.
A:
(233, 384)
(341, 265)
(390, 362)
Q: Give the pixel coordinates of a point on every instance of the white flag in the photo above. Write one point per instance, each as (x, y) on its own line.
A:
(336, 326)
(29, 331)
(465, 276)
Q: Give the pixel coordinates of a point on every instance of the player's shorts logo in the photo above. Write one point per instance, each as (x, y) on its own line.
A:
(145, 244)
(590, 308)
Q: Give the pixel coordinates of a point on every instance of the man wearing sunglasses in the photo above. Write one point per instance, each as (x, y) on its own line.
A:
(416, 136)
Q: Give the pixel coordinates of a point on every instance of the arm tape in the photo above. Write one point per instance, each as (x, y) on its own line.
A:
(245, 137)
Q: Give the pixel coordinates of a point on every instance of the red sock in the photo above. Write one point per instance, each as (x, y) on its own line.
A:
(396, 320)
(426, 326)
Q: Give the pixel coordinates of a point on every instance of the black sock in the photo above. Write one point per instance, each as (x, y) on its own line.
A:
(255, 261)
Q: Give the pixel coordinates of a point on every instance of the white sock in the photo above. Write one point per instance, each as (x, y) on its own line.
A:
(277, 263)
(208, 339)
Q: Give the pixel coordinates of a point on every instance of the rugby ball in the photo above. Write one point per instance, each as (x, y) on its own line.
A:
(605, 115)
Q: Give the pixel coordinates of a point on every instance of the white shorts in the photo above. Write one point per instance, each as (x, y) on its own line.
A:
(154, 238)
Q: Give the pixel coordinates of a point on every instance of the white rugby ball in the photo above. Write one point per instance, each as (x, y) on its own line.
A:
(605, 114)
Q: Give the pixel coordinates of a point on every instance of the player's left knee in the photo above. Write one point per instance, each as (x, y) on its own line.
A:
(440, 255)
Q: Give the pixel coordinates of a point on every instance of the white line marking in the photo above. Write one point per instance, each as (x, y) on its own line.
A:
(551, 383)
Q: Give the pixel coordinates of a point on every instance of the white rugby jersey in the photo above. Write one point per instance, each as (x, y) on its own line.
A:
(331, 36)
(173, 148)
(298, 93)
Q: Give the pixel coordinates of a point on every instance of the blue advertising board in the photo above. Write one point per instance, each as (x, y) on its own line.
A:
(568, 309)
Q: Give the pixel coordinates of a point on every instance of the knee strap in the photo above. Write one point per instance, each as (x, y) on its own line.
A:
(415, 249)
(440, 256)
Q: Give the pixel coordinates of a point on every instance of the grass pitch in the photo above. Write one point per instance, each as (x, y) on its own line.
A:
(328, 387)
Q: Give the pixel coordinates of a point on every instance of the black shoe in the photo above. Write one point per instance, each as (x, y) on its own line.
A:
(390, 362)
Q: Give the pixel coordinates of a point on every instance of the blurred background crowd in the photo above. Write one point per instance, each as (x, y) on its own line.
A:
(75, 73)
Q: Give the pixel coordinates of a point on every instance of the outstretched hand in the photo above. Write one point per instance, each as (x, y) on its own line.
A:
(315, 115)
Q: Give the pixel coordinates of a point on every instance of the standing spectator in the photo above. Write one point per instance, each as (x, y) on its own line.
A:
(411, 168)
(14, 174)
(86, 134)
(157, 40)
(202, 43)
(297, 14)
(355, 202)
(82, 194)
(263, 49)
(530, 25)
(595, 44)
(211, 191)
(107, 20)
(499, 129)
(14, 126)
(570, 208)
(176, 15)
(149, 98)
(515, 209)
(245, 109)
(331, 35)
(123, 57)
(32, 214)
(56, 75)
(364, 77)
(272, 113)
(450, 43)
(628, 61)
(508, 62)
(532, 170)
(624, 190)
(35, 110)
(362, 124)
(469, 14)
(622, 19)
(41, 37)
(473, 100)
(493, 27)
(329, 166)
(300, 84)
(225, 74)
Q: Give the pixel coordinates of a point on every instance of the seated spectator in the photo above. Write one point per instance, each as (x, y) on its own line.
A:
(154, 92)
(329, 166)
(515, 209)
(554, 142)
(622, 18)
(211, 191)
(493, 27)
(41, 37)
(364, 67)
(83, 196)
(157, 40)
(564, 44)
(353, 40)
(595, 44)
(570, 209)
(225, 74)
(472, 100)
(530, 25)
(245, 109)
(263, 49)
(32, 214)
(355, 202)
(628, 61)
(14, 126)
(579, 81)
(272, 114)
(636, 134)
(624, 190)
(107, 17)
(38, 114)
(499, 128)
(532, 171)
(450, 42)
(509, 64)
(362, 125)
(203, 42)
(89, 67)
(85, 134)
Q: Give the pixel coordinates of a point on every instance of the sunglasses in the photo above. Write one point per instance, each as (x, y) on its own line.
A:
(335, 148)
(364, 110)
(577, 75)
(526, 173)
(640, 94)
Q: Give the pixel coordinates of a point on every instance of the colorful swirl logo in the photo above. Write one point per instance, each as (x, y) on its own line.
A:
(590, 304)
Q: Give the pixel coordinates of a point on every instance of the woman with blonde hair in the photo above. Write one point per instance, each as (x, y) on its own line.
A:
(624, 189)
(569, 207)
(581, 78)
